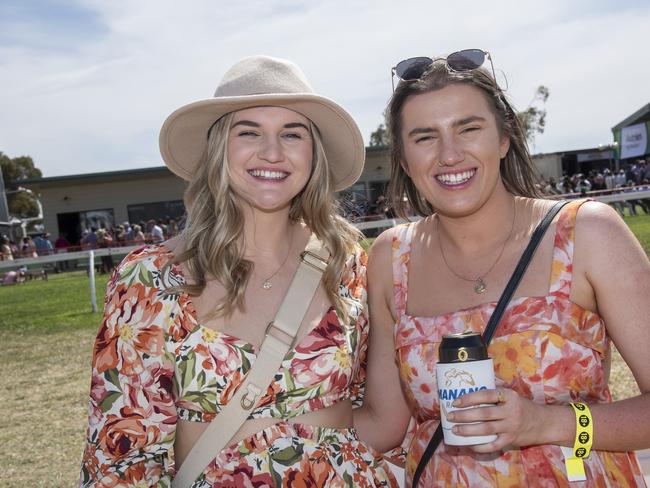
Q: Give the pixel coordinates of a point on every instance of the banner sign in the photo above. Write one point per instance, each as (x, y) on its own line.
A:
(595, 156)
(634, 141)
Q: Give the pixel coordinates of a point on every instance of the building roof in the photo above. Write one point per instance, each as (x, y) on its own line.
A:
(571, 151)
(641, 115)
(103, 176)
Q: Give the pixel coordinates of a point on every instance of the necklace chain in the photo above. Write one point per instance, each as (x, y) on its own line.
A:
(266, 284)
(479, 282)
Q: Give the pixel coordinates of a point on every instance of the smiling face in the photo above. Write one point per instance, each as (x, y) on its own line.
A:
(451, 148)
(269, 156)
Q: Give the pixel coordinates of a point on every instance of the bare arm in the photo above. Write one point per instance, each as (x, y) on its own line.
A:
(383, 419)
(612, 272)
(618, 271)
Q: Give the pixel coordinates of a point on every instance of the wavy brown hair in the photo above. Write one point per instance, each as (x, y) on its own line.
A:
(213, 236)
(518, 173)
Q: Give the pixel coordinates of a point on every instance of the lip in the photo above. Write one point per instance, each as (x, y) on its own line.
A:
(457, 179)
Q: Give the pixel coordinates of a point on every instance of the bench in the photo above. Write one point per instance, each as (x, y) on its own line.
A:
(37, 273)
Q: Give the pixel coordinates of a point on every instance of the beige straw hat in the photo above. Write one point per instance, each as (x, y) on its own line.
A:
(264, 81)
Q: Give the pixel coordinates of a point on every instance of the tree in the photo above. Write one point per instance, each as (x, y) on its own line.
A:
(380, 137)
(533, 119)
(21, 204)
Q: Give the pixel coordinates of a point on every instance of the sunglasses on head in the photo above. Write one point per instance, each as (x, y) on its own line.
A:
(465, 60)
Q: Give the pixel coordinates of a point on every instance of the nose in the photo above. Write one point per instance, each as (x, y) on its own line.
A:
(451, 151)
(271, 150)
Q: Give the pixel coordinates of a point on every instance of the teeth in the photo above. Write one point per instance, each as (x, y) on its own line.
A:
(455, 178)
(262, 173)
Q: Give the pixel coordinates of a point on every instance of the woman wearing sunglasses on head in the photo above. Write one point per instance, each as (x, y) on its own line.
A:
(240, 345)
(460, 160)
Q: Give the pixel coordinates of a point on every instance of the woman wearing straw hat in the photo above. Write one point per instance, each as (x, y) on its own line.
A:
(192, 326)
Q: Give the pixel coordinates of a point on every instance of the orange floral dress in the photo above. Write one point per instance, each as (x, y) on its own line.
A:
(547, 348)
(153, 364)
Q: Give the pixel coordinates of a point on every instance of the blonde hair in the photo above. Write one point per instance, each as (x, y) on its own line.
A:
(213, 236)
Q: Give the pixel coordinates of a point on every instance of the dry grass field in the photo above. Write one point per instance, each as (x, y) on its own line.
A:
(46, 335)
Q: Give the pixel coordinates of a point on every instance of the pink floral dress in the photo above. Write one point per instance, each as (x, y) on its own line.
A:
(547, 348)
(153, 364)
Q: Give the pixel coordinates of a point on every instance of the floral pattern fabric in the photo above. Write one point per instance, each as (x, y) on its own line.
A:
(154, 363)
(548, 349)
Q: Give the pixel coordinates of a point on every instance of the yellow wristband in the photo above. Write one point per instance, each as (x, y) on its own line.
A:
(581, 445)
(584, 430)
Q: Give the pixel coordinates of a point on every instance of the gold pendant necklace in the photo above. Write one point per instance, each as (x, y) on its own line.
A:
(266, 284)
(480, 286)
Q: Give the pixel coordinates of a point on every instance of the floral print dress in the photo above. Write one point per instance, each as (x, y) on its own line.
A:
(153, 364)
(547, 348)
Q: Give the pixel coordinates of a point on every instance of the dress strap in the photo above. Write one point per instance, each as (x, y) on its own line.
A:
(562, 267)
(401, 251)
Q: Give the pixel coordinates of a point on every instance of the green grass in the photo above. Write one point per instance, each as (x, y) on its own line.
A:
(60, 304)
(640, 226)
(46, 333)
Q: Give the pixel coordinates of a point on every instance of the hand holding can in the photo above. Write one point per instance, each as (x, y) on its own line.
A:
(464, 367)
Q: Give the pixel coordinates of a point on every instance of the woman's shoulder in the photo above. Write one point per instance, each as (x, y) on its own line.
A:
(141, 264)
(389, 240)
(598, 223)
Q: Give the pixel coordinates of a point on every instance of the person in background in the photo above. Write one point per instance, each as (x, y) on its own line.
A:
(609, 179)
(43, 244)
(138, 235)
(89, 238)
(128, 233)
(104, 241)
(154, 232)
(28, 248)
(460, 158)
(61, 244)
(5, 249)
(119, 235)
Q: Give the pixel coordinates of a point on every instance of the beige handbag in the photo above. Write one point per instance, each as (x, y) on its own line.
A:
(279, 339)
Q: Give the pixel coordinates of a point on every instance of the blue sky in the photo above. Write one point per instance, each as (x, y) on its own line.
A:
(86, 84)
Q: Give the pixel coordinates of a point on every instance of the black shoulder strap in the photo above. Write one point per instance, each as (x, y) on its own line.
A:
(491, 326)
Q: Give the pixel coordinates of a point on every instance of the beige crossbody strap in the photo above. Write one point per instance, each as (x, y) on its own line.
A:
(279, 339)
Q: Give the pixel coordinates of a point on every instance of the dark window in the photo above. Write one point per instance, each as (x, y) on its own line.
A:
(99, 219)
(142, 212)
(72, 224)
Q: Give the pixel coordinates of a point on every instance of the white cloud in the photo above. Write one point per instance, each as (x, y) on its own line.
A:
(97, 105)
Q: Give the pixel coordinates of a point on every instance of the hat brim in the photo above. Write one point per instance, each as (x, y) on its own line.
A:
(184, 134)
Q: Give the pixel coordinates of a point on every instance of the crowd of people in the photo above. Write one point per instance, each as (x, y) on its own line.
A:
(633, 177)
(125, 234)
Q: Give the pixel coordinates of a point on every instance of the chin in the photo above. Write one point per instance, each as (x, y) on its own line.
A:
(463, 208)
(267, 206)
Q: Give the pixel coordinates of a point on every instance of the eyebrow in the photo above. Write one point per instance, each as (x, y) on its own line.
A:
(457, 123)
(250, 123)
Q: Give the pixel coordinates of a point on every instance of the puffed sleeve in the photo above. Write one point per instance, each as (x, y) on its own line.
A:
(132, 414)
(355, 285)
